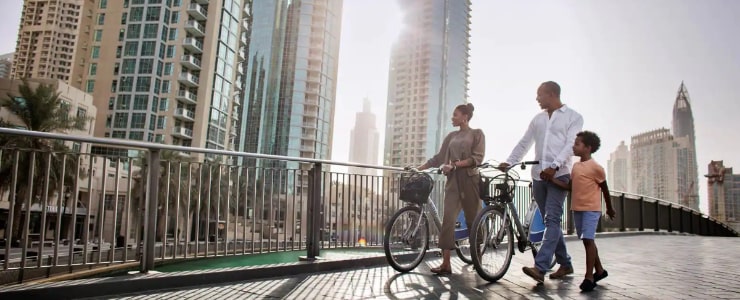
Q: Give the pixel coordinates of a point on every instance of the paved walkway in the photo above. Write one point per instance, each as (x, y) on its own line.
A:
(640, 267)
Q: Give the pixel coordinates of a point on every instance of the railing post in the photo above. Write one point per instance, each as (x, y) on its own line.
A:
(150, 220)
(657, 215)
(670, 217)
(680, 220)
(314, 213)
(569, 220)
(642, 213)
(622, 217)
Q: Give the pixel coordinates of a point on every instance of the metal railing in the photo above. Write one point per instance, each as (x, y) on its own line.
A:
(121, 201)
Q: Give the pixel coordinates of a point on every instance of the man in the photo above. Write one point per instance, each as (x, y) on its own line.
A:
(553, 131)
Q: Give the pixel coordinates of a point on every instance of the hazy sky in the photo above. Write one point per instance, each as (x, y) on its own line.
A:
(619, 63)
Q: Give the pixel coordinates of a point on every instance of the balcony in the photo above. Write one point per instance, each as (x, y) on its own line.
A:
(185, 115)
(190, 62)
(193, 45)
(243, 39)
(187, 97)
(194, 28)
(189, 79)
(197, 12)
(183, 132)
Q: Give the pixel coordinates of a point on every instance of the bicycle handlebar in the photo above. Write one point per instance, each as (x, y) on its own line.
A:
(523, 165)
(429, 170)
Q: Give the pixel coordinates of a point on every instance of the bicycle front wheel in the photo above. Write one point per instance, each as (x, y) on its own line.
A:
(406, 239)
(492, 243)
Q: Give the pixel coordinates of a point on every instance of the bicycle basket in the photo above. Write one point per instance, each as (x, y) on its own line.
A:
(500, 187)
(416, 188)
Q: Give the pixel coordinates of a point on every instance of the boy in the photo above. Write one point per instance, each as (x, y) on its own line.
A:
(588, 179)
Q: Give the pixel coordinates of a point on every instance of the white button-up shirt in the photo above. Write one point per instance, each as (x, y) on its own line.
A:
(553, 137)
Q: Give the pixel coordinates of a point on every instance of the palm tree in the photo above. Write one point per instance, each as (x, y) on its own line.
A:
(165, 198)
(37, 109)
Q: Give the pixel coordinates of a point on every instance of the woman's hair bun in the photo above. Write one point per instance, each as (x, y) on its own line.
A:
(471, 107)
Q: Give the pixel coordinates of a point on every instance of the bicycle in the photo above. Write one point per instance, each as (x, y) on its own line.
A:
(500, 205)
(408, 228)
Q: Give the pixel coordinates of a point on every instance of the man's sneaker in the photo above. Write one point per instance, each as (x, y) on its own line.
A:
(536, 274)
(601, 276)
(587, 285)
(561, 272)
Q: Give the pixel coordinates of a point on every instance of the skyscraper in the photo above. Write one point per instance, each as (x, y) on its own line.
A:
(6, 64)
(724, 194)
(290, 88)
(653, 171)
(159, 71)
(54, 40)
(428, 77)
(363, 147)
(687, 169)
(619, 169)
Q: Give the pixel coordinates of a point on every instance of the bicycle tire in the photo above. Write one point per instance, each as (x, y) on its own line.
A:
(466, 258)
(390, 257)
(509, 235)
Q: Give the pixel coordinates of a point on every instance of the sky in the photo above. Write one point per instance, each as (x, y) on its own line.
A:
(619, 64)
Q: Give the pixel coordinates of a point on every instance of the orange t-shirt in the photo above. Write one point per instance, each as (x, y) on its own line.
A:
(586, 193)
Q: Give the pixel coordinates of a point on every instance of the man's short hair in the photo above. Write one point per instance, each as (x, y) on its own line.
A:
(590, 139)
(552, 87)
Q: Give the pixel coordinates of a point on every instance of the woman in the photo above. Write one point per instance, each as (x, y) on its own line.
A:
(461, 152)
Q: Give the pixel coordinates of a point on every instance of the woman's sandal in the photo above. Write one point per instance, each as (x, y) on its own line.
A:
(440, 271)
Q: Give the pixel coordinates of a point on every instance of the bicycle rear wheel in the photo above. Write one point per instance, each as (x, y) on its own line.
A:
(463, 250)
(494, 252)
(406, 240)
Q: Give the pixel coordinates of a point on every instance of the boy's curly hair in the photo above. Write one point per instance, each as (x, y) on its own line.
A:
(590, 139)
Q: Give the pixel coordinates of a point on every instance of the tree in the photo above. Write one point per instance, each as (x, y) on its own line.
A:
(165, 198)
(37, 109)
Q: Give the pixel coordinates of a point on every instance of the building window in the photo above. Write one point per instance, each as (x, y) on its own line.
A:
(93, 69)
(159, 139)
(133, 31)
(140, 102)
(173, 34)
(163, 37)
(121, 120)
(136, 14)
(170, 51)
(167, 69)
(155, 103)
(136, 135)
(103, 4)
(138, 120)
(175, 17)
(116, 68)
(119, 134)
(146, 65)
(131, 48)
(90, 86)
(143, 84)
(166, 87)
(150, 31)
(161, 122)
(163, 105)
(98, 35)
(119, 49)
(101, 19)
(152, 120)
(148, 48)
(123, 102)
(95, 52)
(114, 86)
(129, 66)
(81, 112)
(152, 13)
(111, 103)
(127, 84)
(124, 16)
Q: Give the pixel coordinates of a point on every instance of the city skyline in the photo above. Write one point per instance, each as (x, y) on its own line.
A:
(364, 140)
(608, 67)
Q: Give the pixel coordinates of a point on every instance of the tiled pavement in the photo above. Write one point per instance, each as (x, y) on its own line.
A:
(640, 267)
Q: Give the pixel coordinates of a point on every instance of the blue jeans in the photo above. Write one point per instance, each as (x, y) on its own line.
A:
(551, 198)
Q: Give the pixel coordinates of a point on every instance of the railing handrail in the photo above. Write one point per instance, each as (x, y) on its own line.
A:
(155, 146)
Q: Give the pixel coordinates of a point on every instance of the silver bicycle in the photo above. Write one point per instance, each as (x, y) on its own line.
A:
(406, 238)
(495, 225)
